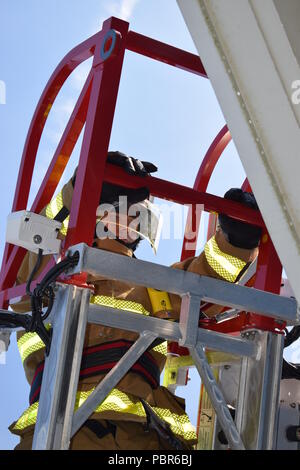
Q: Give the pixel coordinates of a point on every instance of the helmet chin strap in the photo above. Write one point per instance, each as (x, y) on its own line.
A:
(132, 246)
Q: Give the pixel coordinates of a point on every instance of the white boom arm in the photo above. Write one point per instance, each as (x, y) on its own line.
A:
(251, 52)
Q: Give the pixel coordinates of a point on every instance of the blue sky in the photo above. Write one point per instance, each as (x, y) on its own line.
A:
(163, 115)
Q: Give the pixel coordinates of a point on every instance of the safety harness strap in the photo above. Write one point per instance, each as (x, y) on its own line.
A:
(57, 211)
(100, 360)
(62, 214)
(99, 429)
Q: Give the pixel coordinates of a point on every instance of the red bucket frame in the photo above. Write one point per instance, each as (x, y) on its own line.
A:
(95, 109)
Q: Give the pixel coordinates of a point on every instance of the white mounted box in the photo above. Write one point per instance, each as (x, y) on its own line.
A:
(33, 232)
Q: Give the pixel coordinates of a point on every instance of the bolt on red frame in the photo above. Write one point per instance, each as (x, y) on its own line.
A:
(95, 109)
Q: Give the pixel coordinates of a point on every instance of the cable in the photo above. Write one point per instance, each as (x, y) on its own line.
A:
(51, 297)
(45, 289)
(35, 322)
(34, 271)
(290, 370)
(292, 336)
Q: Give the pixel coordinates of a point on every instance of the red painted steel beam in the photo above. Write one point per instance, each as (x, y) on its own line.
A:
(64, 148)
(52, 177)
(246, 186)
(165, 53)
(19, 291)
(201, 182)
(211, 159)
(75, 57)
(99, 121)
(212, 225)
(56, 81)
(268, 278)
(184, 195)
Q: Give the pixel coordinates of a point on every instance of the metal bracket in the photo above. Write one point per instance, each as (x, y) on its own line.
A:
(189, 320)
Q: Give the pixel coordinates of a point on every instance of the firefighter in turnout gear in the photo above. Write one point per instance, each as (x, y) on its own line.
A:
(229, 253)
(138, 414)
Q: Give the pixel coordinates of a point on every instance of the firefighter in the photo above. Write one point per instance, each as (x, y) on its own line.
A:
(139, 413)
(229, 253)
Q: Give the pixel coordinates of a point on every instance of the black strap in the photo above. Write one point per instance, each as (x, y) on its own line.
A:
(242, 272)
(100, 359)
(62, 214)
(101, 431)
(162, 428)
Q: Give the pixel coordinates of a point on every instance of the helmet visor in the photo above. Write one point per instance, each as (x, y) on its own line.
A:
(141, 220)
(147, 222)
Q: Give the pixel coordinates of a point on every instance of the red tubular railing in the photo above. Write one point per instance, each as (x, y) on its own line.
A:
(95, 109)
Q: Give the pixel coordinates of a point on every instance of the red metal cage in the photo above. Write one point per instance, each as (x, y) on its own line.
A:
(95, 109)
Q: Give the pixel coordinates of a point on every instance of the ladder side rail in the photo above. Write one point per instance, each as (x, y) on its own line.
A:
(99, 262)
(65, 418)
(203, 177)
(170, 331)
(258, 395)
(57, 370)
(188, 324)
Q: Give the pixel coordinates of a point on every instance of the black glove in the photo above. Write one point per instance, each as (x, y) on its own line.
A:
(131, 165)
(240, 234)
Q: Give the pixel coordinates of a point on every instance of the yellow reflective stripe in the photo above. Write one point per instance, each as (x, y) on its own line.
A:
(180, 424)
(119, 402)
(64, 226)
(49, 212)
(227, 266)
(120, 304)
(57, 204)
(28, 418)
(116, 401)
(161, 348)
(30, 343)
(53, 209)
